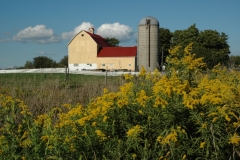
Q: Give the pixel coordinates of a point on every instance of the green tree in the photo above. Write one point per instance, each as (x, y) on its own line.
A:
(185, 37)
(43, 62)
(213, 46)
(209, 44)
(28, 65)
(112, 41)
(165, 37)
(63, 62)
(234, 62)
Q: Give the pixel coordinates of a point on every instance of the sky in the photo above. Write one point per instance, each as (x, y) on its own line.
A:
(32, 28)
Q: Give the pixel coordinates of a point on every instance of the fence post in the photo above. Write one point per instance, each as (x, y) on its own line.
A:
(106, 77)
(66, 73)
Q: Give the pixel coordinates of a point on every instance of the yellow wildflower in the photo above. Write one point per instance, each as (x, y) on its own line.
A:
(140, 112)
(184, 157)
(204, 125)
(142, 98)
(134, 131)
(23, 158)
(100, 134)
(72, 148)
(122, 102)
(202, 144)
(128, 76)
(44, 138)
(105, 118)
(25, 134)
(227, 118)
(94, 123)
(235, 139)
(214, 119)
(134, 155)
(160, 101)
(142, 72)
(170, 137)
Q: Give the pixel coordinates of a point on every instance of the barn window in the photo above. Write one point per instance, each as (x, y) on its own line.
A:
(129, 64)
(103, 64)
(82, 35)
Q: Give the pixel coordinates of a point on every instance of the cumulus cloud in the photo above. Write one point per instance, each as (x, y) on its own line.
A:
(37, 34)
(84, 26)
(116, 30)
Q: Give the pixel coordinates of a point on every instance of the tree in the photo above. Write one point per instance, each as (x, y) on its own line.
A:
(112, 41)
(43, 62)
(63, 62)
(28, 65)
(165, 37)
(185, 37)
(209, 44)
(213, 47)
(234, 62)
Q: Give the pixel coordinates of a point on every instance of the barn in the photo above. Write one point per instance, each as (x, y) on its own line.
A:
(89, 51)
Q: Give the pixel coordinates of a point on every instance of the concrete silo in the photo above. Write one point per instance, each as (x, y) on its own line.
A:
(148, 44)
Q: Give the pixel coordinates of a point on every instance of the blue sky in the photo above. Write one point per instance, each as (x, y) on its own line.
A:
(32, 28)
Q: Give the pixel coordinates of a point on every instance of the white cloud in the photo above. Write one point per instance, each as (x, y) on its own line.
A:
(84, 26)
(119, 31)
(37, 34)
(4, 40)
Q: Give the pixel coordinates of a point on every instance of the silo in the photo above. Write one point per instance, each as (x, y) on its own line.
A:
(148, 44)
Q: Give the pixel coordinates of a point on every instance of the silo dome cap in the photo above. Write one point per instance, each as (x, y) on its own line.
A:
(153, 21)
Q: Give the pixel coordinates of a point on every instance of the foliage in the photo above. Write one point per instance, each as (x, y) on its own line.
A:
(29, 65)
(209, 44)
(213, 47)
(185, 37)
(112, 41)
(63, 62)
(165, 37)
(234, 62)
(180, 115)
(43, 62)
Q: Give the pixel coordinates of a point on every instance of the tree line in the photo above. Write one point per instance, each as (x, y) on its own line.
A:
(45, 62)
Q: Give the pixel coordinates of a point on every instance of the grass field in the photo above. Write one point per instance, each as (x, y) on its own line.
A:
(44, 91)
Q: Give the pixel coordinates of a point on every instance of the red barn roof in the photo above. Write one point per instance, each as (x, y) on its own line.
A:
(99, 40)
(118, 52)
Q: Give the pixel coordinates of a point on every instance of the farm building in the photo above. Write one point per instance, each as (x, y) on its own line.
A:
(89, 51)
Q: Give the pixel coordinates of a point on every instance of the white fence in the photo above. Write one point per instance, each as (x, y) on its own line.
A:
(63, 70)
